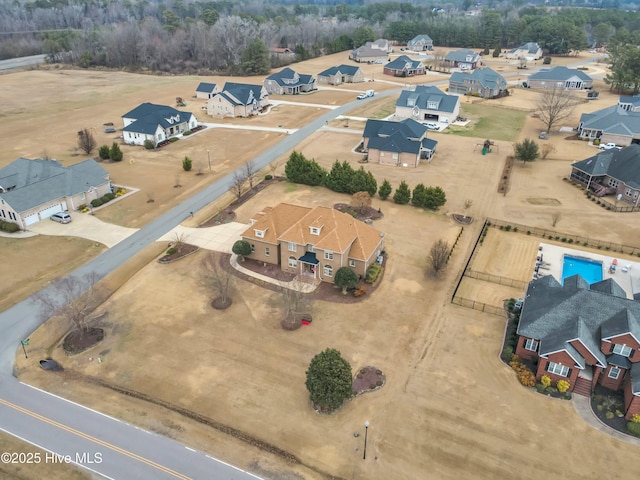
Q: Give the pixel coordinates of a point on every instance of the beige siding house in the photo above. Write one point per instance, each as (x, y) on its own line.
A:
(312, 242)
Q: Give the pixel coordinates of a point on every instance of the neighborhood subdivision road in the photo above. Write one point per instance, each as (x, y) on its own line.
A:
(65, 428)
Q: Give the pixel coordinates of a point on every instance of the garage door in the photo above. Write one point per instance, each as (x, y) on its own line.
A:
(47, 212)
(31, 219)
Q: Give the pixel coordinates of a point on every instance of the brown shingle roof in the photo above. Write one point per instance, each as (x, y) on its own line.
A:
(274, 221)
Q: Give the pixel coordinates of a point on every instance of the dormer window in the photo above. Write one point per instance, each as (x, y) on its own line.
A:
(259, 233)
(314, 230)
(622, 350)
(432, 105)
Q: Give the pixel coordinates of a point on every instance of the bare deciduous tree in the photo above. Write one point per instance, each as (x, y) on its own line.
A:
(294, 300)
(217, 274)
(150, 197)
(237, 184)
(546, 149)
(176, 182)
(438, 256)
(468, 203)
(250, 172)
(555, 105)
(179, 240)
(273, 166)
(73, 299)
(360, 201)
(555, 218)
(86, 141)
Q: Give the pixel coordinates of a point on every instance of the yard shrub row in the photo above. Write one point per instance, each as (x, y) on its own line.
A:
(107, 197)
(524, 373)
(114, 153)
(9, 227)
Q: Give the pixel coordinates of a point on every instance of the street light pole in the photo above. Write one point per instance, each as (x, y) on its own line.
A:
(209, 156)
(366, 431)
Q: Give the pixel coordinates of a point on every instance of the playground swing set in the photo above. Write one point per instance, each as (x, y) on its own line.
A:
(487, 147)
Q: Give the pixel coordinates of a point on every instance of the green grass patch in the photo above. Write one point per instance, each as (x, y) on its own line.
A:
(494, 123)
(386, 109)
(290, 187)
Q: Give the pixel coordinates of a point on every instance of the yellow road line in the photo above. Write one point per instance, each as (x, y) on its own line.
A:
(94, 440)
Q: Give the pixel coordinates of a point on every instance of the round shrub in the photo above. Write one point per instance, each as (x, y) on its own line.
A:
(173, 139)
(96, 202)
(268, 177)
(186, 133)
(10, 227)
(149, 145)
(634, 428)
(109, 195)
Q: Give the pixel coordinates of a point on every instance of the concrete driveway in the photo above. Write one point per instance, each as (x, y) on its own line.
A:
(219, 238)
(86, 226)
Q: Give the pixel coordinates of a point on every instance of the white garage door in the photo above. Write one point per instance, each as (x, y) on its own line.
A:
(31, 219)
(47, 212)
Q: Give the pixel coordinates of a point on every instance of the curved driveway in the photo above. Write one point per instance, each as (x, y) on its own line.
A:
(60, 426)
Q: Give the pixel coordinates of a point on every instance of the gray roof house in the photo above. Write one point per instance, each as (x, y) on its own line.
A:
(403, 66)
(584, 334)
(372, 52)
(289, 82)
(206, 90)
(560, 77)
(420, 42)
(238, 100)
(428, 104)
(156, 123)
(341, 74)
(529, 51)
(464, 59)
(619, 124)
(611, 172)
(33, 190)
(482, 82)
(401, 143)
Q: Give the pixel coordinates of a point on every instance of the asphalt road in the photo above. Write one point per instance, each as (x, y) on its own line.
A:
(22, 62)
(66, 428)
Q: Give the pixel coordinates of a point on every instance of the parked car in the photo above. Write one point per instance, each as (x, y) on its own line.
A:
(608, 146)
(432, 126)
(61, 217)
(367, 94)
(518, 305)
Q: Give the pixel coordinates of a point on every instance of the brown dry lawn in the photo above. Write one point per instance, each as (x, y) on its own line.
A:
(450, 408)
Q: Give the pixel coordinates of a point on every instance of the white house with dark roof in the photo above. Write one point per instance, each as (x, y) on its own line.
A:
(428, 104)
(530, 51)
(341, 74)
(156, 123)
(619, 124)
(238, 100)
(611, 172)
(206, 90)
(464, 59)
(33, 190)
(585, 334)
(560, 77)
(482, 82)
(289, 82)
(401, 144)
(420, 43)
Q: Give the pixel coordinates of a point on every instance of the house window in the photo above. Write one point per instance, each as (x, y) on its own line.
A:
(314, 230)
(327, 271)
(531, 344)
(259, 233)
(328, 255)
(311, 248)
(557, 369)
(293, 247)
(622, 350)
(628, 192)
(614, 373)
(267, 251)
(253, 248)
(293, 262)
(352, 263)
(613, 182)
(394, 156)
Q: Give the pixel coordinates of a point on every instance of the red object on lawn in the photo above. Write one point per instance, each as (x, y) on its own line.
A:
(306, 322)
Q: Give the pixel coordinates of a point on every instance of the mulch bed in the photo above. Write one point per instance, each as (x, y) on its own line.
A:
(221, 304)
(368, 379)
(369, 213)
(187, 249)
(617, 423)
(462, 219)
(78, 341)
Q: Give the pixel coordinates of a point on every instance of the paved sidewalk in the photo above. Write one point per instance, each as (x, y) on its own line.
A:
(19, 234)
(294, 284)
(583, 408)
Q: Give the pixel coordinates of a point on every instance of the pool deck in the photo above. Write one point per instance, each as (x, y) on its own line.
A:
(553, 255)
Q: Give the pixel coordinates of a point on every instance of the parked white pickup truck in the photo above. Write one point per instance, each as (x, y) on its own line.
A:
(367, 94)
(608, 146)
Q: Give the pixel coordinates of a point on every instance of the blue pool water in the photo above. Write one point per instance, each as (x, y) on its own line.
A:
(590, 270)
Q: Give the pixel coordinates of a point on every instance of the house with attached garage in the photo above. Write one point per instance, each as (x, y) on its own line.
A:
(341, 74)
(420, 43)
(584, 334)
(313, 242)
(372, 52)
(289, 82)
(611, 172)
(464, 59)
(206, 90)
(483, 82)
(403, 66)
(619, 124)
(155, 123)
(560, 77)
(401, 144)
(530, 51)
(238, 100)
(33, 190)
(428, 103)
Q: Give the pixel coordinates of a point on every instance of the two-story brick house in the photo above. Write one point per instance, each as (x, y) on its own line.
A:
(314, 242)
(584, 334)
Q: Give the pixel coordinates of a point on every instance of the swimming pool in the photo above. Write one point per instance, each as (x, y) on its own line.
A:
(590, 270)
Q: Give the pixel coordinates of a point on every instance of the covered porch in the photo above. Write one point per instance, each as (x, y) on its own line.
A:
(308, 265)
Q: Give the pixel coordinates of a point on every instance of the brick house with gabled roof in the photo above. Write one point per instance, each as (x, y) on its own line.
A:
(584, 334)
(401, 143)
(403, 66)
(314, 242)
